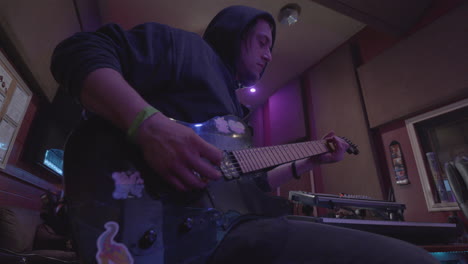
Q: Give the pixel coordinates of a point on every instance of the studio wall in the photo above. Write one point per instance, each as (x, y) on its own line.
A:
(425, 70)
(334, 103)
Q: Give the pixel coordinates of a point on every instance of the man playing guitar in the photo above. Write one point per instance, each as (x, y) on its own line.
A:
(144, 188)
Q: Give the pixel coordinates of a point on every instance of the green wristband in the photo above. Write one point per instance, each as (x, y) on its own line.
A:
(144, 114)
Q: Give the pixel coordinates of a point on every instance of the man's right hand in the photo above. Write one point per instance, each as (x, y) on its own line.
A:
(177, 153)
(172, 150)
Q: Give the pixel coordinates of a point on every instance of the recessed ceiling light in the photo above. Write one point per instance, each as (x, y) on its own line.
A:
(289, 14)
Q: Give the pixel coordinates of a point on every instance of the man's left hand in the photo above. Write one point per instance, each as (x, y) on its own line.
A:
(338, 154)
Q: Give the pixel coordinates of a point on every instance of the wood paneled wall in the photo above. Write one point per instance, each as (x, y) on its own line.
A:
(412, 194)
(281, 121)
(14, 192)
(335, 105)
(286, 115)
(426, 70)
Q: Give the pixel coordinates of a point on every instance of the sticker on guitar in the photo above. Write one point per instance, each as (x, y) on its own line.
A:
(109, 251)
(128, 184)
(229, 126)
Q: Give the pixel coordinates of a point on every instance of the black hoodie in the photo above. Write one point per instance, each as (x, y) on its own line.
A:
(179, 73)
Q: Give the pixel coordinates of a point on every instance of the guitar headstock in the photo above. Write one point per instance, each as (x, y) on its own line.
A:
(353, 149)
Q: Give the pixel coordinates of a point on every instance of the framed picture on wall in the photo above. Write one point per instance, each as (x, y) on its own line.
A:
(14, 101)
(398, 162)
(18, 105)
(7, 132)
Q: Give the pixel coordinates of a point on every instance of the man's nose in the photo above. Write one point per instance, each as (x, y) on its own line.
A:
(267, 56)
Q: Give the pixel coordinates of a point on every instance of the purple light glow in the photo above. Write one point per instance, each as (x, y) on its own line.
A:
(253, 90)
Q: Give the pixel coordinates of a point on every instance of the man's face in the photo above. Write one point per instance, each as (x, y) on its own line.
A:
(254, 53)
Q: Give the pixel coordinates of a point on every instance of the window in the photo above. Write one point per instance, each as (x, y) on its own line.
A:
(438, 137)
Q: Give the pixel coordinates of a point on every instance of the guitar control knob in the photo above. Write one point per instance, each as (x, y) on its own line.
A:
(187, 225)
(148, 239)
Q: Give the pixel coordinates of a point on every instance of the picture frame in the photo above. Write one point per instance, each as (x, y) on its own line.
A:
(399, 164)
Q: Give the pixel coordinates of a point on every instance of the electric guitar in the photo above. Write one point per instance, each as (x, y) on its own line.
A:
(122, 213)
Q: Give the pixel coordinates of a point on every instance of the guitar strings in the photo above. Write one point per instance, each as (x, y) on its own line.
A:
(277, 156)
(248, 160)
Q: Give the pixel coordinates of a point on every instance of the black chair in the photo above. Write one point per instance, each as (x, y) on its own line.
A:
(457, 174)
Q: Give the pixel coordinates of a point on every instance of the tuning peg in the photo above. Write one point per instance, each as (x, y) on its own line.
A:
(356, 151)
(353, 148)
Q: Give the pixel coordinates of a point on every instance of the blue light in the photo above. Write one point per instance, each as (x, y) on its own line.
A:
(253, 90)
(448, 252)
(198, 125)
(53, 167)
(53, 159)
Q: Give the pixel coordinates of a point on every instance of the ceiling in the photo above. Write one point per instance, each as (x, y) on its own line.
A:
(297, 47)
(31, 29)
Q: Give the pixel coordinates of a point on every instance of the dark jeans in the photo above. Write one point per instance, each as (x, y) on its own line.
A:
(286, 241)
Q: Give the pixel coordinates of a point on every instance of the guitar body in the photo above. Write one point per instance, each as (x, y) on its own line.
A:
(121, 211)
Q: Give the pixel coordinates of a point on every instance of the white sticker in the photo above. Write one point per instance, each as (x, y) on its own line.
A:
(229, 126)
(222, 125)
(236, 127)
(127, 185)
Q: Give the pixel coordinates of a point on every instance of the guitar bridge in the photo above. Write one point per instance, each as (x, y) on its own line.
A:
(229, 166)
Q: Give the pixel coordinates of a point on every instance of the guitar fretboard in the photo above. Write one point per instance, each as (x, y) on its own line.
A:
(255, 159)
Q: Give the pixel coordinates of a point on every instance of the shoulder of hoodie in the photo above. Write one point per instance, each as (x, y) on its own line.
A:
(166, 34)
(153, 29)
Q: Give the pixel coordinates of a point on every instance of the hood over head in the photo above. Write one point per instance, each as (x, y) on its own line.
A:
(225, 31)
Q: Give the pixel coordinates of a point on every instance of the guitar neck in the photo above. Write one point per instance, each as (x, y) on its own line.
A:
(229, 132)
(253, 159)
